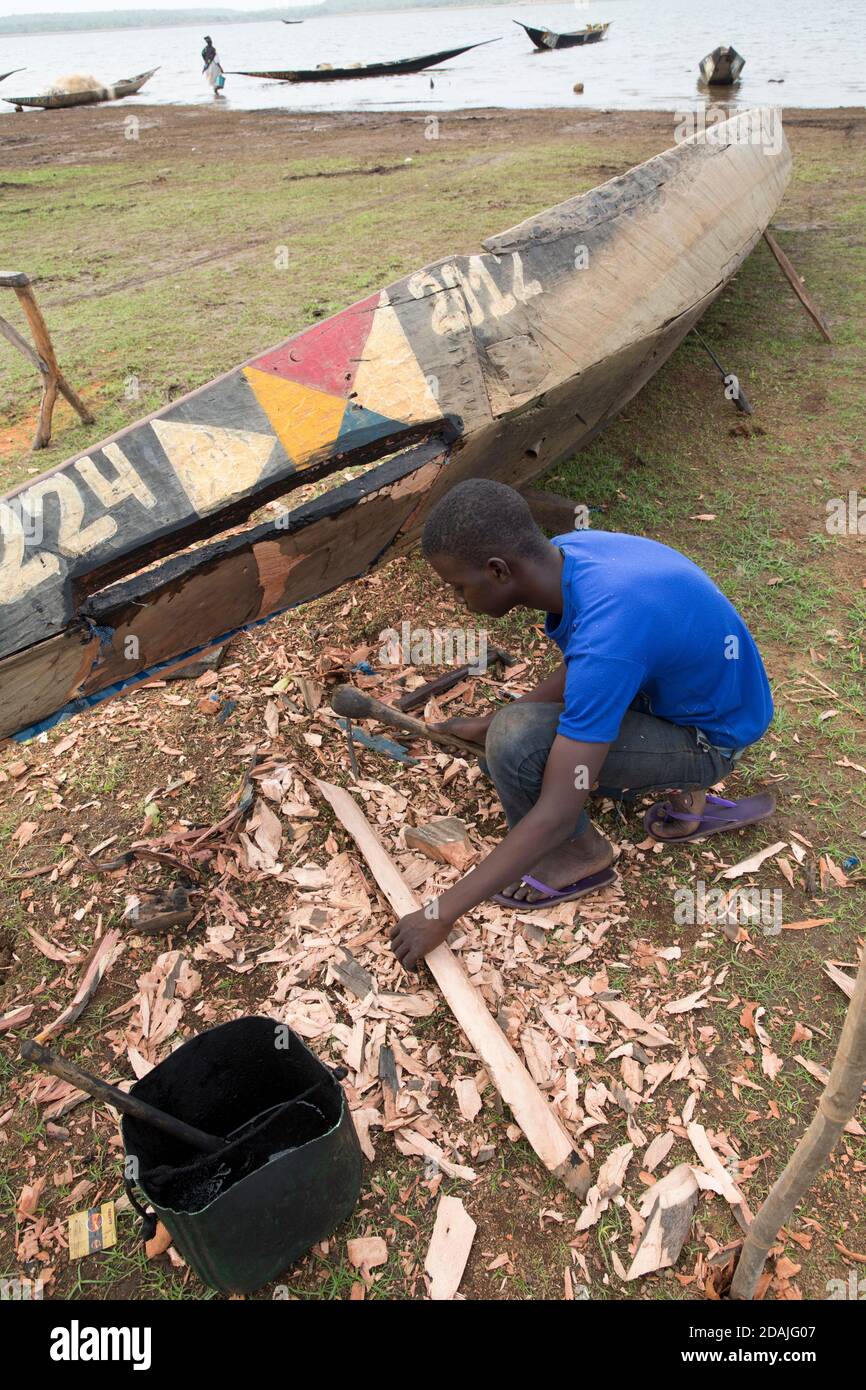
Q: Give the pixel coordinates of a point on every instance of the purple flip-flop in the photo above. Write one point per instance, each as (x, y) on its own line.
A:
(590, 884)
(730, 815)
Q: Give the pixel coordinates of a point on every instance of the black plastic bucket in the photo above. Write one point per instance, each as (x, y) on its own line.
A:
(241, 1217)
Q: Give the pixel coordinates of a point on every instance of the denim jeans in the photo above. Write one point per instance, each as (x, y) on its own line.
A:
(648, 754)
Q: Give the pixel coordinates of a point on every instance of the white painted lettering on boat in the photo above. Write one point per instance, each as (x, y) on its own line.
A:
(111, 491)
(474, 291)
(18, 576)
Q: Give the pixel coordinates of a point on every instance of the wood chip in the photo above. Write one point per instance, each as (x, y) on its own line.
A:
(748, 866)
(658, 1149)
(667, 1208)
(845, 983)
(445, 839)
(468, 1099)
(699, 1141)
(450, 1244)
(101, 958)
(366, 1252)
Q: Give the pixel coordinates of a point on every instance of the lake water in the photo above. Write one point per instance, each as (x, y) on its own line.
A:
(648, 59)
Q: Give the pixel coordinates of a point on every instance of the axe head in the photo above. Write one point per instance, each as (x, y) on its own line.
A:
(351, 703)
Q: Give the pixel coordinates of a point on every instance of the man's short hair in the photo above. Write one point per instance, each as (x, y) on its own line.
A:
(480, 518)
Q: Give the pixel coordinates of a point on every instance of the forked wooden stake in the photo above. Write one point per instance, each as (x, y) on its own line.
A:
(43, 358)
(532, 1112)
(840, 1099)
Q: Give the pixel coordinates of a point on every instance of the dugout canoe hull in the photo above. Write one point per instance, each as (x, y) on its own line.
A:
(398, 68)
(545, 39)
(498, 364)
(55, 101)
(722, 67)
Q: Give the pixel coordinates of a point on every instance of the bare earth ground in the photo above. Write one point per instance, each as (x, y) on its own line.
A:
(164, 259)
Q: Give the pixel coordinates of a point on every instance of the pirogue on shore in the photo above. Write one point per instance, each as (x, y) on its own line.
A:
(497, 364)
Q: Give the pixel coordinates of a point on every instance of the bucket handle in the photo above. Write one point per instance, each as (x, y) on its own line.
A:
(148, 1218)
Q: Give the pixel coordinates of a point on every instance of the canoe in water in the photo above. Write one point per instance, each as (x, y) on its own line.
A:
(51, 101)
(395, 69)
(722, 67)
(122, 563)
(546, 39)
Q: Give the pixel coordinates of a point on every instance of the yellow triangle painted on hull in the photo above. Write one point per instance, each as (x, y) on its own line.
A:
(306, 420)
(213, 464)
(389, 379)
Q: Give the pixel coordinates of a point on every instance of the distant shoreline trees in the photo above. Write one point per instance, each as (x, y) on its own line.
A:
(20, 24)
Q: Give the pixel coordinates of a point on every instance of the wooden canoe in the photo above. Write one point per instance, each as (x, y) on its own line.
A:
(722, 67)
(395, 69)
(497, 364)
(52, 101)
(545, 39)
(4, 75)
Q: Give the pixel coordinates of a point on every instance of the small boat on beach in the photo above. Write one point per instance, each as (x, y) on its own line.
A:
(722, 67)
(546, 38)
(4, 75)
(54, 100)
(494, 364)
(395, 69)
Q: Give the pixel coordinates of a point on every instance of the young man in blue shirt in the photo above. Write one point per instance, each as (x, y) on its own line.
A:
(661, 686)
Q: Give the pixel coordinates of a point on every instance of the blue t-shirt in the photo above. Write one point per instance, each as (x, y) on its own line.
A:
(640, 619)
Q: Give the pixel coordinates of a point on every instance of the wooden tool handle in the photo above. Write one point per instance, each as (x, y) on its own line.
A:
(357, 704)
(129, 1105)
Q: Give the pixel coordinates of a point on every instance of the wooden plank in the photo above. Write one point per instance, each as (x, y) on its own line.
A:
(532, 1112)
(515, 356)
(808, 303)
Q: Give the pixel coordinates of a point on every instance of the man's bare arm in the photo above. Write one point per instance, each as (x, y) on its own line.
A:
(572, 768)
(549, 691)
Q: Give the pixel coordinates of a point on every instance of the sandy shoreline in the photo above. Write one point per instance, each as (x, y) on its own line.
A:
(83, 134)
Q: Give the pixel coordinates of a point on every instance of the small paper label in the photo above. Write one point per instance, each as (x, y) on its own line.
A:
(91, 1230)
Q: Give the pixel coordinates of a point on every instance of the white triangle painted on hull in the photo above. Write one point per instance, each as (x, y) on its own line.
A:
(213, 464)
(389, 379)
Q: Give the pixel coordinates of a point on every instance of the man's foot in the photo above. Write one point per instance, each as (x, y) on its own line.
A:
(577, 859)
(689, 804)
(717, 815)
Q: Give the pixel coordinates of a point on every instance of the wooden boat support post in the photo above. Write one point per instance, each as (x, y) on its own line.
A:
(496, 365)
(43, 358)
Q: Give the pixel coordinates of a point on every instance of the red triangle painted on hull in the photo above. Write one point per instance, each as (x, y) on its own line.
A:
(326, 356)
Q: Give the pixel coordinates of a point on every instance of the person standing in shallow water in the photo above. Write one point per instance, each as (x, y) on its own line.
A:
(660, 688)
(212, 67)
